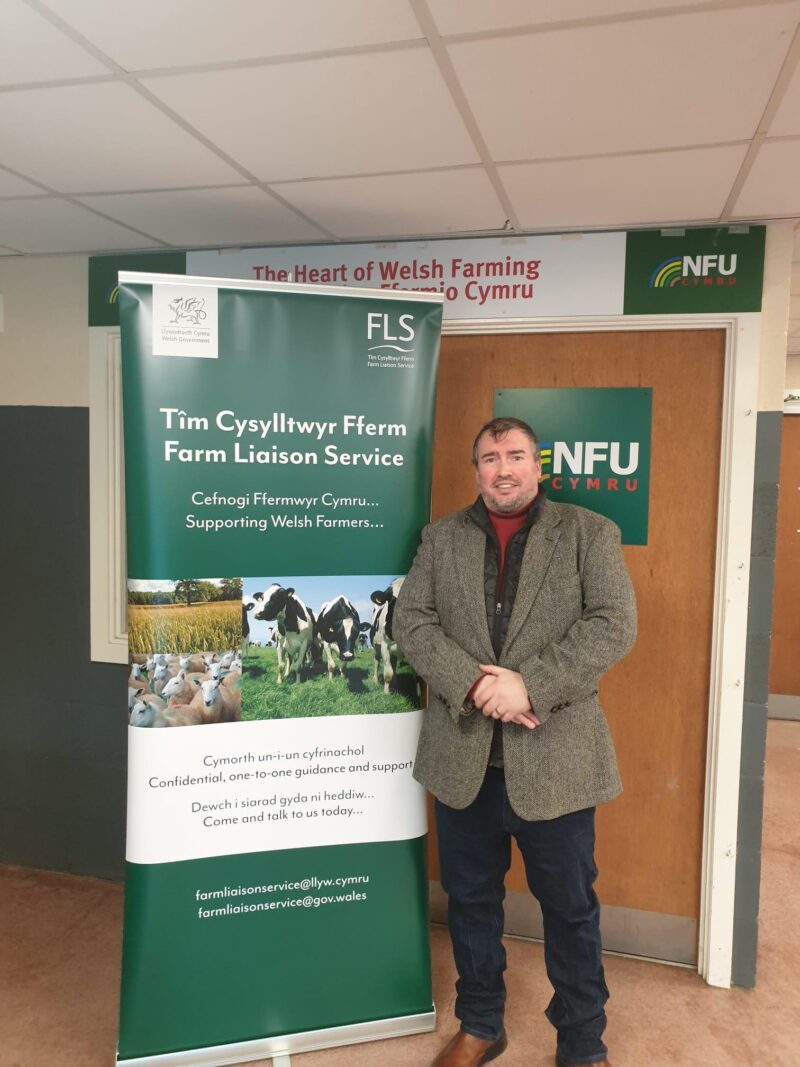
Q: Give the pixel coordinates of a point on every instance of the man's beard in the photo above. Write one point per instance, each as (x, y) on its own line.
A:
(506, 505)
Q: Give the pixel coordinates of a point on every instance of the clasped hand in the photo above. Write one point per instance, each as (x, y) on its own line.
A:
(501, 694)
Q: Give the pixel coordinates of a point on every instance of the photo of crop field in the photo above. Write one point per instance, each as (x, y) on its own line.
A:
(324, 683)
(188, 614)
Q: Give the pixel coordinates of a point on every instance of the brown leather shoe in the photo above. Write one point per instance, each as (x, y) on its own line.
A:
(465, 1050)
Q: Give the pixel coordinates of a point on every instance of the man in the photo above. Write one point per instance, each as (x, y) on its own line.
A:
(511, 612)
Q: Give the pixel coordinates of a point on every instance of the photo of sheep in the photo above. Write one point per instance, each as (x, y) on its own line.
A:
(186, 613)
(316, 646)
(195, 689)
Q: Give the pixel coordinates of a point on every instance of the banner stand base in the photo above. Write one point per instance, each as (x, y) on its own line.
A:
(311, 1040)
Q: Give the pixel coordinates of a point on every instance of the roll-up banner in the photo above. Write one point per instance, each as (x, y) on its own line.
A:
(277, 463)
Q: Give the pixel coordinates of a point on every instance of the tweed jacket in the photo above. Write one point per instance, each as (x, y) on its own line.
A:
(573, 618)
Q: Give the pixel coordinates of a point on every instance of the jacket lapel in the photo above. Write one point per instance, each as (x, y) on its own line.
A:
(470, 547)
(539, 549)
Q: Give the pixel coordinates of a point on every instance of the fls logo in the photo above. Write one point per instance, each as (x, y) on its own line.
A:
(382, 325)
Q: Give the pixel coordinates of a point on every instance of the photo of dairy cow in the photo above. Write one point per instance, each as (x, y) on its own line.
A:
(316, 646)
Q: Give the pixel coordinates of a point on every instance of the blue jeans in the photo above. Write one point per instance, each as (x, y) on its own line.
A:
(475, 853)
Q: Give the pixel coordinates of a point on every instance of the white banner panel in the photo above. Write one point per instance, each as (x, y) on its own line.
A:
(270, 785)
(507, 277)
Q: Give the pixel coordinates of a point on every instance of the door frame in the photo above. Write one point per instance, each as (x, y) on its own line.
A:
(731, 591)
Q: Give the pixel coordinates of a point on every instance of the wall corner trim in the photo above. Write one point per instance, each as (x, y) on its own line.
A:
(108, 600)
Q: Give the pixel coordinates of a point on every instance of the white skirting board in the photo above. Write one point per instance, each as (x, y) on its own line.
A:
(780, 706)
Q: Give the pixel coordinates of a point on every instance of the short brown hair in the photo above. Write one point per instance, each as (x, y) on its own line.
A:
(498, 428)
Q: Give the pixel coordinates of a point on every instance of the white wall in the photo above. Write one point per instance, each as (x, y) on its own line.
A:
(44, 345)
(793, 374)
(775, 315)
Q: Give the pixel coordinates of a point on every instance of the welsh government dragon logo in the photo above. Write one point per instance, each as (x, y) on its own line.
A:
(189, 309)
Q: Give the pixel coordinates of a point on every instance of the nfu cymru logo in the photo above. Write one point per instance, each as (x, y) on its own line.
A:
(591, 465)
(188, 309)
(689, 271)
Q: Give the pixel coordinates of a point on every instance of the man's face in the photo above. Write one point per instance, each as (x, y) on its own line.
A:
(507, 474)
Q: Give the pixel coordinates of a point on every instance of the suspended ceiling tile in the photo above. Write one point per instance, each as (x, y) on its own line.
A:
(86, 138)
(400, 204)
(32, 49)
(653, 83)
(207, 217)
(623, 190)
(59, 226)
(772, 188)
(787, 117)
(156, 34)
(324, 118)
(11, 185)
(471, 16)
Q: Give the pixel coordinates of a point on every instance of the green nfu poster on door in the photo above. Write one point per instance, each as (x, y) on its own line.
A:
(595, 448)
(278, 472)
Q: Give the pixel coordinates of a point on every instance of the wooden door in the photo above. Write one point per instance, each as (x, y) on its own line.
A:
(650, 839)
(784, 674)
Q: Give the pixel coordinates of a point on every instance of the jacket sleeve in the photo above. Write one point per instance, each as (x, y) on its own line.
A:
(441, 662)
(569, 669)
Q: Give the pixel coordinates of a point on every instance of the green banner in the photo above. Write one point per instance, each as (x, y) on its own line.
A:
(595, 446)
(277, 457)
(695, 270)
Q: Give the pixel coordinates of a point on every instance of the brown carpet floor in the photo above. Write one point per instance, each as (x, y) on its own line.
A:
(59, 975)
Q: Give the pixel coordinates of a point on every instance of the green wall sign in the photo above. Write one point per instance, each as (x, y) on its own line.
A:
(104, 283)
(703, 270)
(595, 448)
